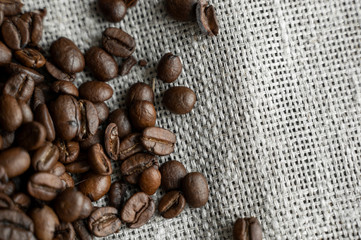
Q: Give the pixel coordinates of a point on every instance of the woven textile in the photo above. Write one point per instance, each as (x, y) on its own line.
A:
(277, 126)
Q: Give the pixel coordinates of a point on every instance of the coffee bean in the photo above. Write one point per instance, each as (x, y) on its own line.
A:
(247, 228)
(130, 3)
(22, 201)
(158, 140)
(44, 186)
(95, 91)
(87, 208)
(13, 68)
(65, 87)
(169, 68)
(90, 141)
(26, 112)
(42, 116)
(171, 204)
(81, 230)
(30, 58)
(98, 161)
(117, 42)
(31, 135)
(132, 168)
(116, 194)
(10, 113)
(45, 220)
(130, 145)
(38, 98)
(6, 202)
(113, 10)
(69, 204)
(127, 65)
(59, 74)
(121, 119)
(103, 111)
(8, 138)
(15, 32)
(34, 21)
(79, 166)
(207, 19)
(5, 54)
(111, 141)
(15, 161)
(101, 64)
(67, 56)
(15, 225)
(20, 86)
(64, 231)
(195, 189)
(150, 180)
(139, 92)
(95, 186)
(58, 169)
(104, 221)
(142, 62)
(11, 7)
(181, 10)
(45, 157)
(142, 114)
(8, 188)
(67, 180)
(68, 151)
(89, 119)
(138, 210)
(172, 174)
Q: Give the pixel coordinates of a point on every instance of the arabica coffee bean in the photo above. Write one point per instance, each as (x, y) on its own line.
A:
(130, 3)
(139, 92)
(95, 186)
(68, 151)
(142, 114)
(65, 87)
(26, 112)
(133, 167)
(69, 204)
(89, 119)
(10, 113)
(58, 169)
(5, 54)
(117, 42)
(31, 135)
(6, 202)
(172, 174)
(20, 86)
(247, 228)
(7, 138)
(81, 230)
(90, 141)
(22, 201)
(15, 32)
(13, 68)
(101, 64)
(79, 166)
(87, 208)
(30, 58)
(130, 145)
(15, 161)
(127, 65)
(42, 116)
(181, 10)
(179, 100)
(44, 186)
(67, 180)
(34, 21)
(195, 189)
(45, 157)
(15, 225)
(138, 210)
(104, 221)
(121, 119)
(11, 7)
(150, 180)
(103, 111)
(45, 220)
(158, 140)
(111, 141)
(58, 74)
(67, 56)
(98, 160)
(95, 91)
(113, 10)
(206, 18)
(64, 231)
(169, 68)
(116, 194)
(171, 204)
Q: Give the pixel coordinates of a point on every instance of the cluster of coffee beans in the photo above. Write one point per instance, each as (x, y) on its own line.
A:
(247, 228)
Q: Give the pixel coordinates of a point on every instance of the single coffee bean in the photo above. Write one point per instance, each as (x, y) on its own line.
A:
(65, 87)
(58, 169)
(90, 141)
(98, 161)
(138, 210)
(22, 201)
(130, 3)
(69, 204)
(150, 180)
(64, 231)
(59, 74)
(172, 174)
(89, 119)
(95, 186)
(169, 68)
(81, 230)
(247, 228)
(67, 56)
(206, 18)
(181, 10)
(30, 58)
(111, 141)
(103, 111)
(104, 221)
(67, 180)
(87, 208)
(121, 119)
(6, 202)
(117, 42)
(42, 116)
(101, 64)
(15, 32)
(127, 65)
(68, 151)
(15, 225)
(79, 166)
(13, 68)
(139, 92)
(171, 204)
(44, 186)
(130, 146)
(5, 54)
(26, 112)
(95, 91)
(34, 20)
(15, 161)
(20, 86)
(158, 141)
(45, 220)
(10, 113)
(31, 135)
(7, 139)
(142, 62)
(142, 114)
(116, 194)
(45, 157)
(195, 189)
(113, 10)
(11, 7)
(132, 168)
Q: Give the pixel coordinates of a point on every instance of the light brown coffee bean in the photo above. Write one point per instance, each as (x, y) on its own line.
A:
(130, 145)
(150, 180)
(31, 58)
(158, 141)
(98, 161)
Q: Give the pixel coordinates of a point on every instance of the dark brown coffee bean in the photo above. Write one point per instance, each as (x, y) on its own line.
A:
(103, 111)
(112, 10)
(34, 21)
(116, 194)
(64, 231)
(15, 161)
(171, 204)
(90, 141)
(44, 186)
(59, 74)
(58, 169)
(68, 151)
(10, 113)
(42, 116)
(172, 174)
(158, 140)
(130, 3)
(15, 32)
(31, 135)
(20, 86)
(142, 114)
(11, 7)
(26, 112)
(142, 62)
(79, 166)
(15, 225)
(169, 68)
(118, 43)
(45, 220)
(87, 208)
(104, 221)
(95, 186)
(206, 18)
(6, 202)
(139, 92)
(195, 189)
(247, 229)
(81, 230)
(130, 145)
(98, 161)
(67, 180)
(121, 119)
(65, 87)
(150, 180)
(13, 68)
(127, 65)
(111, 141)
(38, 98)
(179, 100)
(30, 58)
(132, 168)
(95, 91)
(22, 201)
(181, 10)
(7, 139)
(89, 119)
(69, 204)
(138, 210)
(101, 64)
(5, 54)
(45, 157)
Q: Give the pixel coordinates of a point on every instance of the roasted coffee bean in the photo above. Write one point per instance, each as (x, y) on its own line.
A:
(65, 87)
(45, 157)
(150, 180)
(38, 98)
(171, 204)
(20, 86)
(169, 68)
(172, 174)
(247, 228)
(58, 74)
(79, 166)
(195, 189)
(132, 168)
(179, 100)
(130, 145)
(13, 68)
(11, 7)
(68, 151)
(127, 65)
(35, 25)
(15, 32)
(7, 139)
(104, 221)
(5, 54)
(22, 201)
(30, 58)
(64, 231)
(113, 10)
(138, 210)
(89, 119)
(42, 116)
(81, 230)
(87, 208)
(118, 43)
(139, 92)
(103, 111)
(31, 135)
(26, 112)
(130, 3)
(90, 141)
(67, 56)
(111, 141)
(15, 161)
(69, 204)
(116, 194)
(44, 186)
(98, 161)
(6, 202)
(142, 62)
(206, 18)
(58, 169)
(15, 225)
(67, 180)
(95, 186)
(181, 10)
(158, 141)
(45, 220)
(142, 114)
(121, 119)
(101, 64)
(95, 91)
(11, 116)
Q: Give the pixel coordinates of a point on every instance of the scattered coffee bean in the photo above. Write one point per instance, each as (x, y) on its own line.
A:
(179, 100)
(142, 114)
(30, 58)
(139, 92)
(10, 113)
(111, 141)
(142, 62)
(67, 180)
(44, 186)
(247, 228)
(113, 10)
(130, 145)
(169, 68)
(26, 112)
(95, 186)
(22, 201)
(195, 189)
(81, 230)
(15, 32)
(6, 202)
(172, 174)
(31, 135)
(64, 231)
(98, 161)
(158, 140)
(45, 220)
(5, 54)
(130, 3)
(101, 64)
(150, 180)
(90, 141)
(69, 204)
(11, 7)
(181, 10)
(68, 151)
(171, 204)
(58, 74)
(117, 42)
(207, 19)
(95, 91)
(116, 194)
(15, 161)
(89, 120)
(121, 119)
(104, 221)
(42, 116)
(15, 224)
(58, 169)
(45, 157)
(20, 86)
(13, 68)
(65, 87)
(127, 65)
(103, 111)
